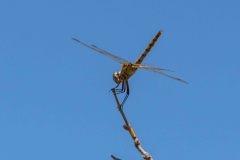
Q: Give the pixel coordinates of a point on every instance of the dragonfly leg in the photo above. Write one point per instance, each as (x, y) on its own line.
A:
(116, 86)
(126, 87)
(122, 90)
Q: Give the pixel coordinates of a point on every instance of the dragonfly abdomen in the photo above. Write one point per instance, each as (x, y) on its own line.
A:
(148, 49)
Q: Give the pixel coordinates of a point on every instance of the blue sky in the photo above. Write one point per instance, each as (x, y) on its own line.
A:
(54, 94)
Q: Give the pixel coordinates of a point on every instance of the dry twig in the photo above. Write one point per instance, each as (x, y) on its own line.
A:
(128, 127)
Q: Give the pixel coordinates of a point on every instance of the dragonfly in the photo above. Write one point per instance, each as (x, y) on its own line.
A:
(128, 69)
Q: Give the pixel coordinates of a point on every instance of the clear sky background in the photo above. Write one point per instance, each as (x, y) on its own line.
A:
(55, 102)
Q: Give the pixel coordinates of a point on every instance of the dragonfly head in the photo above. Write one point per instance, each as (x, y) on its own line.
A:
(116, 77)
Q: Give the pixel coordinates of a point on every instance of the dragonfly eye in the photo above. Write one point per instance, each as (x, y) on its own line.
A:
(116, 77)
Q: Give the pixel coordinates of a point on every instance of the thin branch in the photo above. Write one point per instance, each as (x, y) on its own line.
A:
(128, 127)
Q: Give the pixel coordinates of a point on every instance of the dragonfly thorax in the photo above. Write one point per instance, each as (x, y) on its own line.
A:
(116, 77)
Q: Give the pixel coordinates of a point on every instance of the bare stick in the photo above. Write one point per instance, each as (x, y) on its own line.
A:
(128, 127)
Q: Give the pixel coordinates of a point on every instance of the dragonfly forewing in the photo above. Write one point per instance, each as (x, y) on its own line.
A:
(106, 53)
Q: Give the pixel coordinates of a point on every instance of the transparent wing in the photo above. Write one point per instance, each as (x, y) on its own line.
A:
(155, 69)
(159, 71)
(115, 58)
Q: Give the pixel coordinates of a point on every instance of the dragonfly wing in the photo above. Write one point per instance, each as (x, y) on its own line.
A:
(155, 69)
(160, 71)
(115, 58)
(172, 77)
